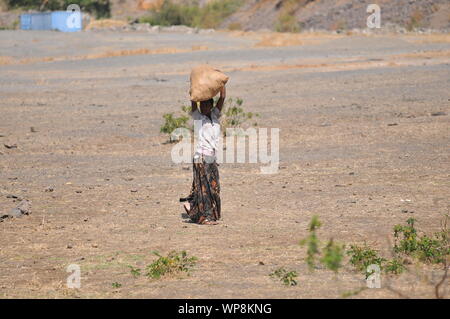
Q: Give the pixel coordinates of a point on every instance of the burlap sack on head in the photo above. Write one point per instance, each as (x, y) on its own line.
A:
(206, 82)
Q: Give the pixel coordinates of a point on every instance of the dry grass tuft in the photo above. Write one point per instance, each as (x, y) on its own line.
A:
(279, 40)
(429, 38)
(6, 60)
(423, 55)
(141, 51)
(105, 23)
(150, 4)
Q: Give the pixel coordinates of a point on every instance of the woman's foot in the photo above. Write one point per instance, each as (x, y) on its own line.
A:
(205, 221)
(208, 222)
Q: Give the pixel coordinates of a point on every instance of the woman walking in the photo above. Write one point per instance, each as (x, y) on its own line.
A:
(203, 203)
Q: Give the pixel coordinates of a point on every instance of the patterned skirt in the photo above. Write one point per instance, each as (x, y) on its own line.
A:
(205, 191)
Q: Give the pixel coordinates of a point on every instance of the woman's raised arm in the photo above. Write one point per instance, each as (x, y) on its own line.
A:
(223, 94)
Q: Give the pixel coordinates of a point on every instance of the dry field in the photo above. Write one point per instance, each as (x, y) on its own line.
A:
(364, 135)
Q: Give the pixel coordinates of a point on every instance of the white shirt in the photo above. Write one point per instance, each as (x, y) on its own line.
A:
(207, 131)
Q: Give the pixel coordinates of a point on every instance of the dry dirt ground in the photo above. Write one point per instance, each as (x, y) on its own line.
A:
(364, 135)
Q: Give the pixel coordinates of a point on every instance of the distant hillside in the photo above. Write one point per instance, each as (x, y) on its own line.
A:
(317, 14)
(295, 15)
(339, 14)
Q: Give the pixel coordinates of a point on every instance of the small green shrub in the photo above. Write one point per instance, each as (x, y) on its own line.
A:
(234, 116)
(408, 243)
(187, 109)
(173, 14)
(394, 266)
(312, 242)
(116, 285)
(287, 22)
(191, 14)
(333, 254)
(171, 123)
(214, 12)
(171, 264)
(433, 249)
(136, 272)
(286, 277)
(363, 257)
(99, 8)
(415, 21)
